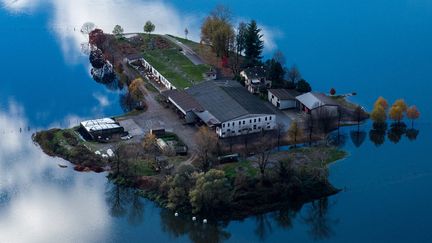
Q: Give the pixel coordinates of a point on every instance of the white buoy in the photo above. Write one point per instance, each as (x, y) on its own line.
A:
(176, 214)
(193, 218)
(205, 221)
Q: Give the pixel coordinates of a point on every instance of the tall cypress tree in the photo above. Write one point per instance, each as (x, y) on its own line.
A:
(253, 44)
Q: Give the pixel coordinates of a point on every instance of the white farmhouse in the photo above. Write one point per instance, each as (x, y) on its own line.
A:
(283, 98)
(255, 79)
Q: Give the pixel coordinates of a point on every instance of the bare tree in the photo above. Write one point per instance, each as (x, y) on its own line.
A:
(279, 130)
(293, 74)
(294, 132)
(325, 119)
(206, 146)
(263, 149)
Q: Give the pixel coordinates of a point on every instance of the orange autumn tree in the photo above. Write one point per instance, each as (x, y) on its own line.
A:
(381, 102)
(379, 115)
(413, 114)
(396, 114)
(401, 103)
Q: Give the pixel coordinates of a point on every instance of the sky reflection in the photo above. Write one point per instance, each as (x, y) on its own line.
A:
(69, 16)
(39, 202)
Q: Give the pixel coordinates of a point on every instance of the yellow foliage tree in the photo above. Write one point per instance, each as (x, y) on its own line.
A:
(401, 103)
(381, 102)
(396, 113)
(135, 90)
(378, 114)
(294, 132)
(413, 113)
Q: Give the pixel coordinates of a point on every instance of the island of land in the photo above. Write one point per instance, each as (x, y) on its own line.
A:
(199, 137)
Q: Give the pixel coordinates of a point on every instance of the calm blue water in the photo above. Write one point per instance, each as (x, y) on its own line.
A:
(371, 47)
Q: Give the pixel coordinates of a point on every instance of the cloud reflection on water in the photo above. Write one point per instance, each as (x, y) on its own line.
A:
(39, 202)
(69, 16)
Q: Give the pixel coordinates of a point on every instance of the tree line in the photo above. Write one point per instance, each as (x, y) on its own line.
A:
(240, 47)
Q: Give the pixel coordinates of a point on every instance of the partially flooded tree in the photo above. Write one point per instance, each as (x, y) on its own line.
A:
(206, 141)
(401, 104)
(294, 132)
(325, 119)
(413, 114)
(396, 114)
(381, 102)
(179, 186)
(212, 191)
(378, 114)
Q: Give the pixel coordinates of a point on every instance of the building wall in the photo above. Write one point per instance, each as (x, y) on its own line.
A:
(239, 127)
(159, 76)
(283, 104)
(333, 110)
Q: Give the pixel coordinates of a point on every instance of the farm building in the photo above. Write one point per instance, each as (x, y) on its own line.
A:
(100, 128)
(283, 98)
(223, 105)
(255, 79)
(311, 102)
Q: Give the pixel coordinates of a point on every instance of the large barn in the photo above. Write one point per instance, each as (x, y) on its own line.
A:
(225, 106)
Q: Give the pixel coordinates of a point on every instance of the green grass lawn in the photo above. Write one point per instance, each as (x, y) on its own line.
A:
(176, 67)
(231, 169)
(143, 168)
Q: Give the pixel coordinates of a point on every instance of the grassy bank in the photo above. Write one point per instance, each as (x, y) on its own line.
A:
(67, 145)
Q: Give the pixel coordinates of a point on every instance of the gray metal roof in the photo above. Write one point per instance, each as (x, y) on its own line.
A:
(99, 124)
(313, 100)
(285, 94)
(183, 99)
(227, 100)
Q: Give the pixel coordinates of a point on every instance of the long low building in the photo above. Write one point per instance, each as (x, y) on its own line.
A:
(101, 128)
(225, 106)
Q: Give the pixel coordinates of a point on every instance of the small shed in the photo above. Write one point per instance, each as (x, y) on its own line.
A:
(283, 98)
(312, 101)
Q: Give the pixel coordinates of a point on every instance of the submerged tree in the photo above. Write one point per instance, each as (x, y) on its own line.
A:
(401, 104)
(381, 102)
(413, 114)
(378, 114)
(212, 191)
(396, 114)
